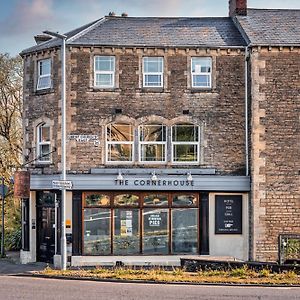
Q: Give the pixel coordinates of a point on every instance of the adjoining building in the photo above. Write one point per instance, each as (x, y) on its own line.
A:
(183, 137)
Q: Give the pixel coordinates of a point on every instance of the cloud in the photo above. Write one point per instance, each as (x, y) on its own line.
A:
(27, 15)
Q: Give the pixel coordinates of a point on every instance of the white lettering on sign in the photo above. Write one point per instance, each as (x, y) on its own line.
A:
(154, 220)
(85, 138)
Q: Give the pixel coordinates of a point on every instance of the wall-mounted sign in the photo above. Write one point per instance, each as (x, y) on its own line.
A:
(85, 138)
(228, 214)
(148, 182)
(62, 184)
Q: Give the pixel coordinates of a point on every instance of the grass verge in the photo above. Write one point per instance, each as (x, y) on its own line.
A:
(234, 276)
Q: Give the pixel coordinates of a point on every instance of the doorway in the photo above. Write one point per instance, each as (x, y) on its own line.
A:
(45, 226)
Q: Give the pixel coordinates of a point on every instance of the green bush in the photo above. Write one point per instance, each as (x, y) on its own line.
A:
(13, 240)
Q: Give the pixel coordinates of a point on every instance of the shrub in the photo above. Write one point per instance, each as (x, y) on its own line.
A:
(14, 239)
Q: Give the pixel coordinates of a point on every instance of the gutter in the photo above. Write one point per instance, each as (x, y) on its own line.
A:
(247, 57)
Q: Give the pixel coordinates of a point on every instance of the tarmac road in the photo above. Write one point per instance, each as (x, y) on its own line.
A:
(13, 288)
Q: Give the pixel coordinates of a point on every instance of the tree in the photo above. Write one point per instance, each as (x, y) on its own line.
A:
(11, 73)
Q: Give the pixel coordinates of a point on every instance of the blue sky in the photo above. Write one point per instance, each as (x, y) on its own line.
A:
(20, 20)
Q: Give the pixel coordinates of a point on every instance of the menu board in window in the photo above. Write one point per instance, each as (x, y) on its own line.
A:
(228, 214)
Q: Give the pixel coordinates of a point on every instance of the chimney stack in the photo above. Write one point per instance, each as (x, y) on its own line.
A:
(237, 8)
(40, 38)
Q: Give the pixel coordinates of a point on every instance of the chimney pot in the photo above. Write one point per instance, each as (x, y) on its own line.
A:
(237, 8)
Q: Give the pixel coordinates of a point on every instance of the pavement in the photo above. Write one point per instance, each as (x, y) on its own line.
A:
(11, 265)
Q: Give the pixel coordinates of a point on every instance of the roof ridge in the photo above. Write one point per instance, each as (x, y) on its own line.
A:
(87, 29)
(274, 9)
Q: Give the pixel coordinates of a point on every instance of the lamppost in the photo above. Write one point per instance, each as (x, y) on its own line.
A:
(63, 145)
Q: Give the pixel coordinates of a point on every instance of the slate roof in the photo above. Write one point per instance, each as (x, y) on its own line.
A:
(274, 27)
(153, 32)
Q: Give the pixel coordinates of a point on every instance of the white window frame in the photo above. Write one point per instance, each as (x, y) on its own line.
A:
(108, 143)
(44, 75)
(97, 72)
(201, 73)
(185, 143)
(161, 74)
(141, 143)
(41, 143)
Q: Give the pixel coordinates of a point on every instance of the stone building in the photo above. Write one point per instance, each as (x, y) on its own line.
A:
(182, 137)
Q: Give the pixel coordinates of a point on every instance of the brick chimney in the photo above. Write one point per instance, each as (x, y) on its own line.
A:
(237, 8)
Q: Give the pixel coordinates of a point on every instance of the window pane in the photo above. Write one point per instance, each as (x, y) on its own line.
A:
(45, 67)
(104, 79)
(104, 63)
(185, 133)
(126, 231)
(120, 133)
(201, 80)
(187, 153)
(153, 152)
(184, 200)
(153, 64)
(44, 133)
(44, 153)
(126, 199)
(153, 133)
(198, 63)
(44, 82)
(94, 199)
(185, 230)
(119, 152)
(153, 80)
(46, 198)
(155, 199)
(97, 231)
(155, 235)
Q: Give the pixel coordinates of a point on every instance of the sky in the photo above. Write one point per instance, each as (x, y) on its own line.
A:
(21, 20)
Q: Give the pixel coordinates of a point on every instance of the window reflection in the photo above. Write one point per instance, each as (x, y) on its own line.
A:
(126, 231)
(184, 200)
(119, 143)
(94, 199)
(152, 143)
(97, 231)
(184, 230)
(126, 199)
(185, 143)
(155, 200)
(156, 235)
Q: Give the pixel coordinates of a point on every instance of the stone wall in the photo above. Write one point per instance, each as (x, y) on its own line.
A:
(219, 111)
(275, 147)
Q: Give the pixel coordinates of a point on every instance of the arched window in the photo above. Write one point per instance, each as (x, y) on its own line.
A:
(119, 143)
(185, 143)
(43, 143)
(152, 143)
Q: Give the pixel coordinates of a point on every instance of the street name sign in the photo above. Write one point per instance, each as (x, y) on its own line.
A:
(62, 184)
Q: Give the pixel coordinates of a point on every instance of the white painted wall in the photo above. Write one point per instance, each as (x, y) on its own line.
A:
(30, 256)
(234, 245)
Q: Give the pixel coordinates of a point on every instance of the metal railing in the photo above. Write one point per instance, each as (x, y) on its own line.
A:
(289, 249)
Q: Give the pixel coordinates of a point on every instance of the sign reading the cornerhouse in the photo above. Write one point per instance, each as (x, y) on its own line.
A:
(228, 214)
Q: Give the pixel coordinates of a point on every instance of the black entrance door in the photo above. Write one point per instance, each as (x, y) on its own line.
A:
(45, 226)
(46, 234)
